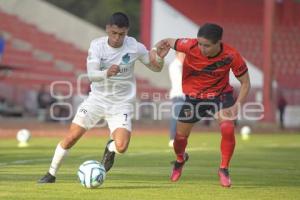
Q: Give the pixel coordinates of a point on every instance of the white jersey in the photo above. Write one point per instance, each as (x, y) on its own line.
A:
(175, 74)
(120, 88)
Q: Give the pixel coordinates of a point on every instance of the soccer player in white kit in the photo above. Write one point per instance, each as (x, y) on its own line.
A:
(176, 94)
(110, 65)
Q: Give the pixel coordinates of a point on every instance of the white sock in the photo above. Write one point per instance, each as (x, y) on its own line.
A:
(112, 147)
(57, 159)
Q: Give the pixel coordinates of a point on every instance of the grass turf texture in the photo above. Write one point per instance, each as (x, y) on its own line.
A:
(264, 167)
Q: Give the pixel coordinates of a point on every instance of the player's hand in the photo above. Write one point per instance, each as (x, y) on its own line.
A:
(153, 56)
(230, 113)
(113, 70)
(163, 48)
(162, 52)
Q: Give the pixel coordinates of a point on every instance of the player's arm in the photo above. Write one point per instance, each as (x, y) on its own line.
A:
(93, 65)
(181, 45)
(157, 54)
(240, 70)
(95, 75)
(154, 59)
(154, 63)
(245, 88)
(232, 112)
(165, 44)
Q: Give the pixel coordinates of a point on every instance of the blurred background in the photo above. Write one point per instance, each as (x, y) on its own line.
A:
(43, 49)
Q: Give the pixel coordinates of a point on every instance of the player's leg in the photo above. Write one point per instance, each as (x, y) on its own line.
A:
(117, 145)
(120, 128)
(61, 151)
(86, 117)
(121, 137)
(186, 119)
(180, 143)
(227, 146)
(183, 131)
(176, 107)
(173, 121)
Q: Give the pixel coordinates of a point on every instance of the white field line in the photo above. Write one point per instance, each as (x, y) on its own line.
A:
(23, 161)
(132, 154)
(170, 150)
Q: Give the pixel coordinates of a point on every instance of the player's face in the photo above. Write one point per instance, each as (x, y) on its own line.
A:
(116, 35)
(208, 48)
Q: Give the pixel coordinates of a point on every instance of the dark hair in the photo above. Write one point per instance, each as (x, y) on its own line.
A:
(212, 32)
(119, 19)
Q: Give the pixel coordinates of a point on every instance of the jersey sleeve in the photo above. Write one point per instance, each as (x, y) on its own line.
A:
(93, 64)
(143, 54)
(93, 54)
(184, 44)
(238, 66)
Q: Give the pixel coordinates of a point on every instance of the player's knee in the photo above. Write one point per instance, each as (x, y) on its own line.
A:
(121, 147)
(179, 136)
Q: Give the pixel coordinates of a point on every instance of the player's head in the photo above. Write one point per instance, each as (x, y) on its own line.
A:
(117, 28)
(209, 39)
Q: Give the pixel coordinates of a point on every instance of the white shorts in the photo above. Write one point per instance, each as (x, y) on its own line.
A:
(92, 110)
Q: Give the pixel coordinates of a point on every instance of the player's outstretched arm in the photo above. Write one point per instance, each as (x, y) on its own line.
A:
(155, 63)
(157, 55)
(157, 58)
(164, 45)
(154, 60)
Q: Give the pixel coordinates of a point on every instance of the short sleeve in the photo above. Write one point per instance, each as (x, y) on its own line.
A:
(143, 53)
(141, 49)
(238, 66)
(93, 53)
(184, 44)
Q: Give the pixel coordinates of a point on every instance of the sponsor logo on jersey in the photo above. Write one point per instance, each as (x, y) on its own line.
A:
(187, 112)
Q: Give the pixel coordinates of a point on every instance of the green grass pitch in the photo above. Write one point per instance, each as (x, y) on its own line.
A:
(265, 167)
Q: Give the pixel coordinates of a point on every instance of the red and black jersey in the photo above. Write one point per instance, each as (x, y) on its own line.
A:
(204, 77)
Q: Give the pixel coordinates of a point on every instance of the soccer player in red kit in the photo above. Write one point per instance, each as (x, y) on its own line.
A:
(205, 82)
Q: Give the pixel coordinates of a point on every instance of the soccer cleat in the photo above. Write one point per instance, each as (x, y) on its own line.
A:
(177, 169)
(224, 177)
(48, 178)
(108, 157)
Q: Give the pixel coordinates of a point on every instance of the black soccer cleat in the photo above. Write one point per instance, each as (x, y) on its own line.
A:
(108, 157)
(48, 178)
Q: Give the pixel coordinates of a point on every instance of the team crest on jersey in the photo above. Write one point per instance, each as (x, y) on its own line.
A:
(187, 112)
(183, 41)
(126, 58)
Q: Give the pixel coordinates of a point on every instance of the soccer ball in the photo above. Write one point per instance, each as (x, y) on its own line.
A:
(23, 137)
(91, 174)
(245, 132)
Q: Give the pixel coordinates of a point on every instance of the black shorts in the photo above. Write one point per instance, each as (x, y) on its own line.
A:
(193, 110)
